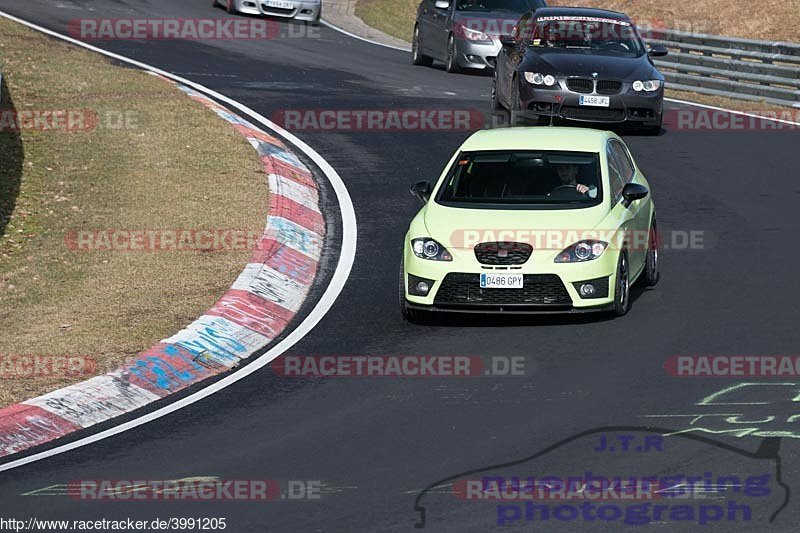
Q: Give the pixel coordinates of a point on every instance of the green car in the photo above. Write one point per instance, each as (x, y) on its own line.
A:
(531, 220)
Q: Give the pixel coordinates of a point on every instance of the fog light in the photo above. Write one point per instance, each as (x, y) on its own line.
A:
(592, 289)
(419, 286)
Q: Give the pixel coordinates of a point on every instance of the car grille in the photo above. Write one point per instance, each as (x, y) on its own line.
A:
(277, 10)
(580, 85)
(503, 253)
(593, 114)
(464, 290)
(609, 87)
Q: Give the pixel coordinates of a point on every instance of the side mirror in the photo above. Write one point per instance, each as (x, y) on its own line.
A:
(442, 4)
(658, 51)
(508, 41)
(633, 192)
(422, 190)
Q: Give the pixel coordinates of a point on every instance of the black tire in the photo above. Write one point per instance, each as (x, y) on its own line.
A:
(499, 115)
(418, 58)
(231, 7)
(214, 3)
(451, 63)
(622, 287)
(652, 274)
(517, 115)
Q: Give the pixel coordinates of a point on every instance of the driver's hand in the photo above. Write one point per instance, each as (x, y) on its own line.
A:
(583, 189)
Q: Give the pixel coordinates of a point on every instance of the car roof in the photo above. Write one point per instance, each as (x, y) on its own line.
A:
(580, 12)
(539, 138)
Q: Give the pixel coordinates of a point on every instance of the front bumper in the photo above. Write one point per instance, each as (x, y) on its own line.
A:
(301, 10)
(641, 108)
(477, 55)
(548, 287)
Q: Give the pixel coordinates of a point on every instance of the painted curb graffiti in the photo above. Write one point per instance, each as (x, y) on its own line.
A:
(257, 308)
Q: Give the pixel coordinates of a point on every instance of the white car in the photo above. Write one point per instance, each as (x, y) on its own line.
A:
(302, 10)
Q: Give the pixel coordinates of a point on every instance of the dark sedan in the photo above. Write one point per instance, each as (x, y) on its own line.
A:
(576, 64)
(465, 34)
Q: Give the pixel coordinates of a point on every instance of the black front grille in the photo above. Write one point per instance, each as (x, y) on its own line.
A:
(277, 10)
(464, 290)
(580, 85)
(593, 114)
(503, 253)
(609, 87)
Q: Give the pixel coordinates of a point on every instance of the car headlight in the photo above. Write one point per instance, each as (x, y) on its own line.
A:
(475, 35)
(427, 248)
(647, 86)
(582, 251)
(536, 78)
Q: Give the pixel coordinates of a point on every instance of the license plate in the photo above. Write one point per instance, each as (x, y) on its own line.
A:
(595, 101)
(279, 4)
(501, 281)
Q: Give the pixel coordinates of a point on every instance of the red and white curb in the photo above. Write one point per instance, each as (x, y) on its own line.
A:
(255, 311)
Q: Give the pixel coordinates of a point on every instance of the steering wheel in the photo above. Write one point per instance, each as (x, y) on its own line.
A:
(616, 45)
(564, 188)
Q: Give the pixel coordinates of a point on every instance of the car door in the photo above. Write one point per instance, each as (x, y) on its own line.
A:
(425, 24)
(440, 28)
(620, 215)
(639, 211)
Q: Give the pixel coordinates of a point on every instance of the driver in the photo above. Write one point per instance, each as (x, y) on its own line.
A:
(568, 174)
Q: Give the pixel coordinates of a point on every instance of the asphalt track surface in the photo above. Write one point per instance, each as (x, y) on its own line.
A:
(375, 443)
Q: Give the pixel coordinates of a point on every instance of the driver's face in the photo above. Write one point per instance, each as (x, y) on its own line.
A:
(568, 173)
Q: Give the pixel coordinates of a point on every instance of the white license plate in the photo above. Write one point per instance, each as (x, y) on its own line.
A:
(279, 4)
(501, 281)
(595, 101)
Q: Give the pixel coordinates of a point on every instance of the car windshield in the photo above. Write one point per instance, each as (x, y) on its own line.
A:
(531, 180)
(517, 6)
(588, 34)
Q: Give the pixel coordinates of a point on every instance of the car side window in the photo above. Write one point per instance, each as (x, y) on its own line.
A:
(626, 166)
(616, 177)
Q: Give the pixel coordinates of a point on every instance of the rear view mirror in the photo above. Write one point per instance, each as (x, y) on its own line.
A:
(422, 190)
(633, 192)
(442, 4)
(658, 51)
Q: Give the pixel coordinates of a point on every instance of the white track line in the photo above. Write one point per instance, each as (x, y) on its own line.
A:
(673, 100)
(360, 38)
(345, 264)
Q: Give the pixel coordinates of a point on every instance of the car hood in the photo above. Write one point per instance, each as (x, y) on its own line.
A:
(585, 65)
(494, 23)
(457, 228)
